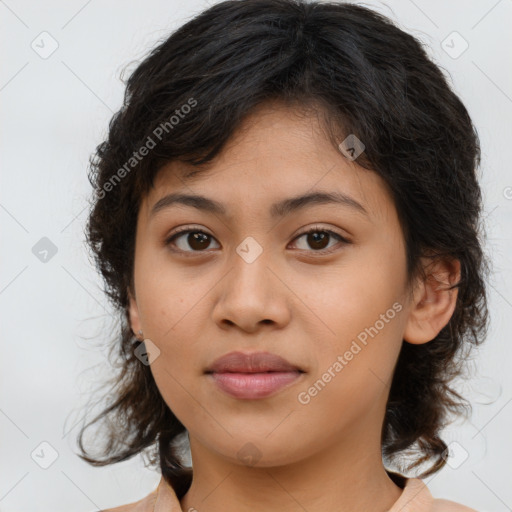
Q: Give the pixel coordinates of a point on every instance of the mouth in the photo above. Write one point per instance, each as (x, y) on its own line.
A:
(252, 376)
(254, 385)
(256, 362)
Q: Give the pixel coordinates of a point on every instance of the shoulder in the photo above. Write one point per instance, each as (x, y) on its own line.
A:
(440, 505)
(144, 505)
(416, 497)
(122, 508)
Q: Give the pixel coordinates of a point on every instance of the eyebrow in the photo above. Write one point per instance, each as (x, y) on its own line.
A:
(280, 209)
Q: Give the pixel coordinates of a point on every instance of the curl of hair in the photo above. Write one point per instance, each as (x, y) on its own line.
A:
(364, 76)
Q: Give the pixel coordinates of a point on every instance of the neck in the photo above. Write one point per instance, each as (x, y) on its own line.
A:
(341, 478)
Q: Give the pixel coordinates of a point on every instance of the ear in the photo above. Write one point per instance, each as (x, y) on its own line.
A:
(133, 312)
(433, 304)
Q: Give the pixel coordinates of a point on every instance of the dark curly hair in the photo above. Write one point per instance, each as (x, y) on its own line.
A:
(363, 75)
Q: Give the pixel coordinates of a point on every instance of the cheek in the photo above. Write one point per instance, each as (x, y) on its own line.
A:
(354, 299)
(177, 373)
(351, 384)
(172, 309)
(171, 303)
(370, 288)
(361, 306)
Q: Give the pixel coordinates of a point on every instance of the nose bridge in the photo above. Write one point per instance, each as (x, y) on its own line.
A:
(250, 261)
(251, 292)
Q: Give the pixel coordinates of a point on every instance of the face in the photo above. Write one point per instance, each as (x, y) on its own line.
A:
(248, 279)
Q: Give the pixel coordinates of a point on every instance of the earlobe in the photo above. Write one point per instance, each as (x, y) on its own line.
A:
(133, 311)
(433, 303)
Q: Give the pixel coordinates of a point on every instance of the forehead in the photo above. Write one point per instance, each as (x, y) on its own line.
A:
(278, 152)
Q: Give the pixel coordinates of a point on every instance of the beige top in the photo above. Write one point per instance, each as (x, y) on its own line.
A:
(415, 497)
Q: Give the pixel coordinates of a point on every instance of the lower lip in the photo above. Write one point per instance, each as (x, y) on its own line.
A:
(253, 385)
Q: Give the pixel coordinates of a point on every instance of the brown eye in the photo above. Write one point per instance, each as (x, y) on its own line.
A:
(196, 241)
(190, 240)
(318, 239)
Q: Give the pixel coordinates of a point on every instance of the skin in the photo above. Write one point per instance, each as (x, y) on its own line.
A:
(293, 301)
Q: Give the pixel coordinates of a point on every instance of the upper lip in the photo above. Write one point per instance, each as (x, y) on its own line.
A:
(255, 362)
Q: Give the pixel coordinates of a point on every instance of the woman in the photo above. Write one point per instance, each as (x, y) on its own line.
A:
(286, 218)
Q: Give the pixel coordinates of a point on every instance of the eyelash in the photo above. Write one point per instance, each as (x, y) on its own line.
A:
(315, 229)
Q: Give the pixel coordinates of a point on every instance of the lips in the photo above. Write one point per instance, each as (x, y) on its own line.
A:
(252, 376)
(258, 362)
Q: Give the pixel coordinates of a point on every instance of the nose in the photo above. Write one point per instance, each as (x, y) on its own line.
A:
(252, 295)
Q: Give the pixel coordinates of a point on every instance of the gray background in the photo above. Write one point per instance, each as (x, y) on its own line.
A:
(55, 110)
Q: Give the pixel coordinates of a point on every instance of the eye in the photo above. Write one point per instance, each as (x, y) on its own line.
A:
(318, 239)
(196, 239)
